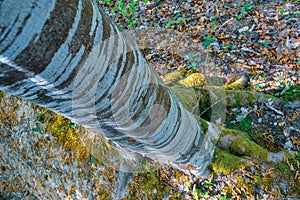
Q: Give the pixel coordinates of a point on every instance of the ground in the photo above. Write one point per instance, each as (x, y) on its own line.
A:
(217, 40)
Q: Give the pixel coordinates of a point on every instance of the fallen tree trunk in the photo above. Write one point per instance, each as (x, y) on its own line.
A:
(70, 58)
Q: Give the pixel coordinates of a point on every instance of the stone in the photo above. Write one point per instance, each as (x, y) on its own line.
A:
(276, 157)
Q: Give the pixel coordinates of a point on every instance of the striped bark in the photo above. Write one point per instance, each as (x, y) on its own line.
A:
(69, 57)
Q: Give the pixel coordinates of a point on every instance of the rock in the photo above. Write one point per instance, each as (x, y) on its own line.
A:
(276, 157)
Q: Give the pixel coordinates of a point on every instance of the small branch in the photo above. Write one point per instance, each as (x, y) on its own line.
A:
(274, 109)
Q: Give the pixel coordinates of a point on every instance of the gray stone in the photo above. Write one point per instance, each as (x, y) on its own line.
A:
(276, 157)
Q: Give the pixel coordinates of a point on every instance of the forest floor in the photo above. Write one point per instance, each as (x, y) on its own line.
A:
(220, 39)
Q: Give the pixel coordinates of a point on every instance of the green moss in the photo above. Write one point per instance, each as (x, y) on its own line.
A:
(193, 80)
(238, 98)
(224, 162)
(243, 146)
(1, 94)
(174, 77)
(148, 185)
(187, 96)
(203, 123)
(292, 94)
(204, 104)
(66, 132)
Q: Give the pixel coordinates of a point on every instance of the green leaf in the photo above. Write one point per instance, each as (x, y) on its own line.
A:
(121, 4)
(292, 16)
(206, 194)
(266, 44)
(213, 24)
(131, 24)
(169, 24)
(177, 15)
(248, 6)
(38, 114)
(61, 128)
(107, 2)
(214, 18)
(260, 78)
(243, 10)
(131, 10)
(239, 17)
(73, 126)
(133, 3)
(258, 86)
(282, 11)
(229, 47)
(298, 61)
(124, 12)
(93, 160)
(36, 129)
(192, 66)
(191, 57)
(207, 41)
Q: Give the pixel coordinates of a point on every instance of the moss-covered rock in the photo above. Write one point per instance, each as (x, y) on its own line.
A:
(193, 80)
(240, 144)
(203, 123)
(224, 162)
(174, 77)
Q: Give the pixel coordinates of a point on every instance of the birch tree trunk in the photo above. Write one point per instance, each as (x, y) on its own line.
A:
(69, 57)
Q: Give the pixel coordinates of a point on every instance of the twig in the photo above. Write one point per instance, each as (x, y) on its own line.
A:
(274, 109)
(217, 32)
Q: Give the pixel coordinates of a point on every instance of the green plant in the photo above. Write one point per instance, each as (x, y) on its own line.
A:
(266, 44)
(258, 86)
(197, 194)
(298, 61)
(229, 47)
(207, 40)
(246, 124)
(261, 78)
(93, 160)
(247, 7)
(282, 11)
(108, 2)
(125, 9)
(223, 197)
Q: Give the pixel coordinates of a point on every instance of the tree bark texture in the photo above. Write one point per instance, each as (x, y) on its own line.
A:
(69, 57)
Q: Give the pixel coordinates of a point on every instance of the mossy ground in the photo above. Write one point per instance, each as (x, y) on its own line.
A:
(244, 155)
(237, 162)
